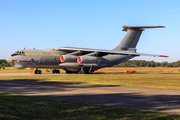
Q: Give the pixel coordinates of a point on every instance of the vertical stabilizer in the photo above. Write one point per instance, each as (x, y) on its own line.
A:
(131, 39)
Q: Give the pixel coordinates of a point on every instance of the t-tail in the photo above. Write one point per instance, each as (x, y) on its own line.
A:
(131, 38)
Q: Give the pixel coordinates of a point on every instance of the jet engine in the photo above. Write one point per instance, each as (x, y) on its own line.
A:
(88, 59)
(68, 58)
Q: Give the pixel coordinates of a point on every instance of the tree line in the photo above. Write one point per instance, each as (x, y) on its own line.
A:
(129, 63)
(4, 63)
(143, 63)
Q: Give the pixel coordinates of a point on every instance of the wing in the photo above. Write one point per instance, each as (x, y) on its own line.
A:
(101, 53)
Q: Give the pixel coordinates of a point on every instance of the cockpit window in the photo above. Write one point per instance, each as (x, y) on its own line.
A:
(18, 53)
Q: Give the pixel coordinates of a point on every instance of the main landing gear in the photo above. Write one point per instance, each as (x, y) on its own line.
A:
(82, 71)
(38, 71)
(70, 72)
(56, 71)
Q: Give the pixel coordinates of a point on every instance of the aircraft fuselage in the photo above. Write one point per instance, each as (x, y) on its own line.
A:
(49, 58)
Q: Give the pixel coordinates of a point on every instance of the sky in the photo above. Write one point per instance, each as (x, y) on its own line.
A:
(93, 24)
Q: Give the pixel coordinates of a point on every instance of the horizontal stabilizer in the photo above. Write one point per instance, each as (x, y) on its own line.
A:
(126, 27)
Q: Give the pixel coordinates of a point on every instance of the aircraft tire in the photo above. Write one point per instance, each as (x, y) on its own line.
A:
(35, 72)
(57, 71)
(86, 71)
(68, 72)
(81, 72)
(39, 72)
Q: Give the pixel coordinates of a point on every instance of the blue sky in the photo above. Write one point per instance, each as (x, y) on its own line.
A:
(89, 24)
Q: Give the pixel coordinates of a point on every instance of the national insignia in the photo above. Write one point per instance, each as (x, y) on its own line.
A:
(129, 39)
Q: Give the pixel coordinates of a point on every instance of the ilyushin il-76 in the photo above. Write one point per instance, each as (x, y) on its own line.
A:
(81, 60)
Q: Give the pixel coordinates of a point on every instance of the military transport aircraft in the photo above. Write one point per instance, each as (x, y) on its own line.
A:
(81, 60)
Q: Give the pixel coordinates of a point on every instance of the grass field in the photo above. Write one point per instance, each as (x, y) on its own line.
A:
(155, 81)
(143, 69)
(25, 107)
(19, 107)
(27, 70)
(120, 69)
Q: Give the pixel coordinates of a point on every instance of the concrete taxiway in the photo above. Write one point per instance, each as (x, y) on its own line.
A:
(139, 98)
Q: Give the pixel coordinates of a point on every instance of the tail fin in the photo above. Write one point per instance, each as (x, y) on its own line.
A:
(131, 39)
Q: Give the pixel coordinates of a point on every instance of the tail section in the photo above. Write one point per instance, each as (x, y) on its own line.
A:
(131, 39)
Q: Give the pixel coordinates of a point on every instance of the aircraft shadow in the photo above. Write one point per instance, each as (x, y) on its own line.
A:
(93, 94)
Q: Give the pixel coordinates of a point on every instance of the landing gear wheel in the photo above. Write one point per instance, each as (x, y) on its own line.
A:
(81, 72)
(35, 72)
(38, 72)
(56, 71)
(75, 72)
(68, 72)
(86, 71)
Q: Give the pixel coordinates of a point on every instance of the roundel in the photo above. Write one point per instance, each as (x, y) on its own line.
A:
(79, 59)
(130, 39)
(62, 58)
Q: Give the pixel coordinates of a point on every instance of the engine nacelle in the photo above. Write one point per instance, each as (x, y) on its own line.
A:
(89, 59)
(68, 58)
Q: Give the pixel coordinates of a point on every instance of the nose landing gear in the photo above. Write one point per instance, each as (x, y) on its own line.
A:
(38, 71)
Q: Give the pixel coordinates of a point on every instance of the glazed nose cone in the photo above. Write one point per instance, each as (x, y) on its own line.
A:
(9, 59)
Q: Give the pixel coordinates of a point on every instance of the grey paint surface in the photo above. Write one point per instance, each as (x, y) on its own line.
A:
(139, 98)
(68, 58)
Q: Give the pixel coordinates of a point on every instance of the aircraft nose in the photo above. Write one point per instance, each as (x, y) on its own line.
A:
(9, 59)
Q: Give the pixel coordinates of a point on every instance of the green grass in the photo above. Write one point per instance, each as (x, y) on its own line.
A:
(15, 71)
(12, 70)
(155, 81)
(35, 108)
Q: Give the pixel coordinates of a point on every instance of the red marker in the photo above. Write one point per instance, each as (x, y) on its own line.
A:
(62, 58)
(79, 59)
(163, 56)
